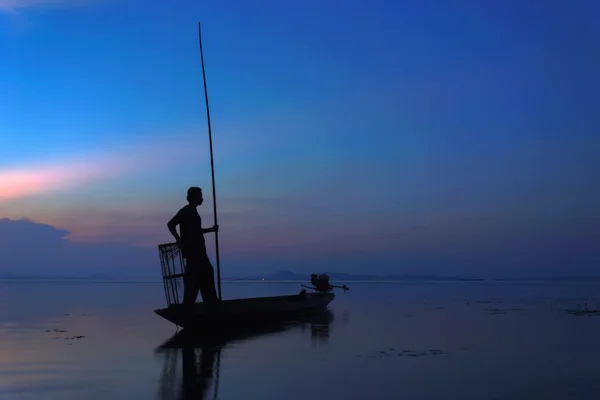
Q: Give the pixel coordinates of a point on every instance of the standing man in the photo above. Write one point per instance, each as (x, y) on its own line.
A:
(199, 274)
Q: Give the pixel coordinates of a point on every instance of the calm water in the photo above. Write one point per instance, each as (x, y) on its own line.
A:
(384, 341)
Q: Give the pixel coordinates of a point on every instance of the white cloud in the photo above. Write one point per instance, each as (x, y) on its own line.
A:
(11, 6)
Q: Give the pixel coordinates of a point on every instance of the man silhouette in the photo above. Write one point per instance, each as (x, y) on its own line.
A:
(199, 274)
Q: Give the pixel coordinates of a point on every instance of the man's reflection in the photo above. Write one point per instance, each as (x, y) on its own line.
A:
(197, 371)
(201, 356)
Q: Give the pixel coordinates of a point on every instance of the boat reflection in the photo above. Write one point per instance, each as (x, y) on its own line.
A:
(201, 355)
(320, 327)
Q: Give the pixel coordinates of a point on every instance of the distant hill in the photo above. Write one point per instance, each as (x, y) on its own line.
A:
(284, 275)
(50, 277)
(549, 279)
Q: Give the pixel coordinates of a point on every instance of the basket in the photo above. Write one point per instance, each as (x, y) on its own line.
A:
(172, 264)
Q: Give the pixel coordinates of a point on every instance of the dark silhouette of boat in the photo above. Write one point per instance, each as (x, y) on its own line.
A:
(247, 312)
(237, 313)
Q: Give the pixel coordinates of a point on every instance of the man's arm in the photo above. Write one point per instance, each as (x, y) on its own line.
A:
(209, 230)
(172, 225)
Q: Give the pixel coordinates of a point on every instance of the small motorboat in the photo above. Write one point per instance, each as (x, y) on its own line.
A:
(319, 321)
(236, 313)
(244, 312)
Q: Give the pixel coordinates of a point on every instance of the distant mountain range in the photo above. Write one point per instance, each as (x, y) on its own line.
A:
(284, 275)
(50, 277)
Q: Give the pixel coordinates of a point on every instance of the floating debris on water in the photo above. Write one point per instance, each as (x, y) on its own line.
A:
(582, 309)
(502, 310)
(491, 300)
(74, 337)
(64, 338)
(406, 353)
(583, 312)
(432, 352)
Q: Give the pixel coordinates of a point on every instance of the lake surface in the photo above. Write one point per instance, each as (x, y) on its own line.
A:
(446, 340)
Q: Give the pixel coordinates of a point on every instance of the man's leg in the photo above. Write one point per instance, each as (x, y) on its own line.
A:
(207, 282)
(190, 280)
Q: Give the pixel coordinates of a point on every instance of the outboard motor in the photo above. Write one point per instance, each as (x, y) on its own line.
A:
(321, 282)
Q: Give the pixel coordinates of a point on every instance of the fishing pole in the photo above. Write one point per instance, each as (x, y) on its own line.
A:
(212, 163)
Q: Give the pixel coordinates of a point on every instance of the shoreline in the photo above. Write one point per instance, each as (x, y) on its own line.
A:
(306, 281)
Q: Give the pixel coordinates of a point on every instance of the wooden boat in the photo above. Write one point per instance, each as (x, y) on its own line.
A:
(229, 313)
(236, 313)
(245, 312)
(213, 336)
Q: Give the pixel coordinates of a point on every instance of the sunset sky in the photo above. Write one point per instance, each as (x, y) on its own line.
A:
(361, 136)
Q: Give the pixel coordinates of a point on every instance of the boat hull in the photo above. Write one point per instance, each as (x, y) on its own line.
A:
(221, 338)
(244, 312)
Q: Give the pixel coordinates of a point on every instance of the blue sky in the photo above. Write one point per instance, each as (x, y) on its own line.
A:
(379, 136)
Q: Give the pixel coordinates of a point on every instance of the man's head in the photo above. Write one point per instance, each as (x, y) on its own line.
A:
(194, 196)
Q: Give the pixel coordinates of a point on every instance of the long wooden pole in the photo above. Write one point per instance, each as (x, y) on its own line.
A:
(212, 163)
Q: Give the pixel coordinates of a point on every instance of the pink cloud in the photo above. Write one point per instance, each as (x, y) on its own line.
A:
(32, 179)
(27, 181)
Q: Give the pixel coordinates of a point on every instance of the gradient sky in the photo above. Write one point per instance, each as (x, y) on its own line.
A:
(388, 137)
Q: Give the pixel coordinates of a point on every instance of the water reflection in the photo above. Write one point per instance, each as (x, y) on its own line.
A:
(319, 325)
(201, 355)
